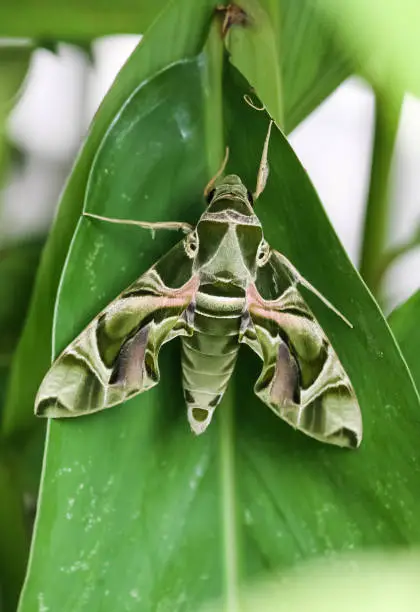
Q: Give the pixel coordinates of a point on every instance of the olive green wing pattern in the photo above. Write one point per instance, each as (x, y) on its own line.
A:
(302, 379)
(115, 357)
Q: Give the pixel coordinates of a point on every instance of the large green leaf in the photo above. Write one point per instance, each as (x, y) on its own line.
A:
(164, 132)
(135, 512)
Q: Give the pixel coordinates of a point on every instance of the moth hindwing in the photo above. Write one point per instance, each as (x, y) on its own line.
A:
(220, 286)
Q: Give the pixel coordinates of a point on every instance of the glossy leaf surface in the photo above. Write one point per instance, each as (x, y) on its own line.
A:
(135, 512)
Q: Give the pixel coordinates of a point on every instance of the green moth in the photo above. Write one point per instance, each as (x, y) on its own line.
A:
(219, 287)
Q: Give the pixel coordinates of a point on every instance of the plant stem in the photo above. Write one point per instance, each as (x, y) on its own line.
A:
(376, 216)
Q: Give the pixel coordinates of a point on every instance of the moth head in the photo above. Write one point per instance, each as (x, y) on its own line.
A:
(230, 192)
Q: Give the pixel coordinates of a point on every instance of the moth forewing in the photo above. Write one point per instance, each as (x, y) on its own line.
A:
(115, 357)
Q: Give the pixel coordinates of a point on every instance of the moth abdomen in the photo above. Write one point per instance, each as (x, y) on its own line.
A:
(207, 365)
(209, 355)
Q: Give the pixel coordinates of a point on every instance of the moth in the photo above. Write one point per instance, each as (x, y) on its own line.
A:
(221, 286)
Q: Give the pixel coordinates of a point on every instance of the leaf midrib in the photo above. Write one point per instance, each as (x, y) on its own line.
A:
(228, 502)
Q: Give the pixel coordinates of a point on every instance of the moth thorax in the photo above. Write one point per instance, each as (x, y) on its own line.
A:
(223, 261)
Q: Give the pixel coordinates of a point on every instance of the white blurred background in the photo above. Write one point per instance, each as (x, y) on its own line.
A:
(63, 91)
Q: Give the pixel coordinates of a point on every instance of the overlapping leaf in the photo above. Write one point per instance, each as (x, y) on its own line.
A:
(289, 56)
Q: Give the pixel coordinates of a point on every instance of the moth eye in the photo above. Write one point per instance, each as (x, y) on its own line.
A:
(210, 196)
(250, 197)
(263, 253)
(191, 244)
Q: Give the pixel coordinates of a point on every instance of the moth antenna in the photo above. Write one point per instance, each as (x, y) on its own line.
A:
(251, 103)
(220, 171)
(263, 169)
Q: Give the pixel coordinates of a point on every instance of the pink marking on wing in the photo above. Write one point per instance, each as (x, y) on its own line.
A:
(266, 308)
(177, 297)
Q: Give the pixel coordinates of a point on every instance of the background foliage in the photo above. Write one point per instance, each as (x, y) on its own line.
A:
(133, 513)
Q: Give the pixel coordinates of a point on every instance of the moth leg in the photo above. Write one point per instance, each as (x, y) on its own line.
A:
(170, 225)
(298, 279)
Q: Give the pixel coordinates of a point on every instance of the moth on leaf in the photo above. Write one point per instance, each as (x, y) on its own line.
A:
(221, 286)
